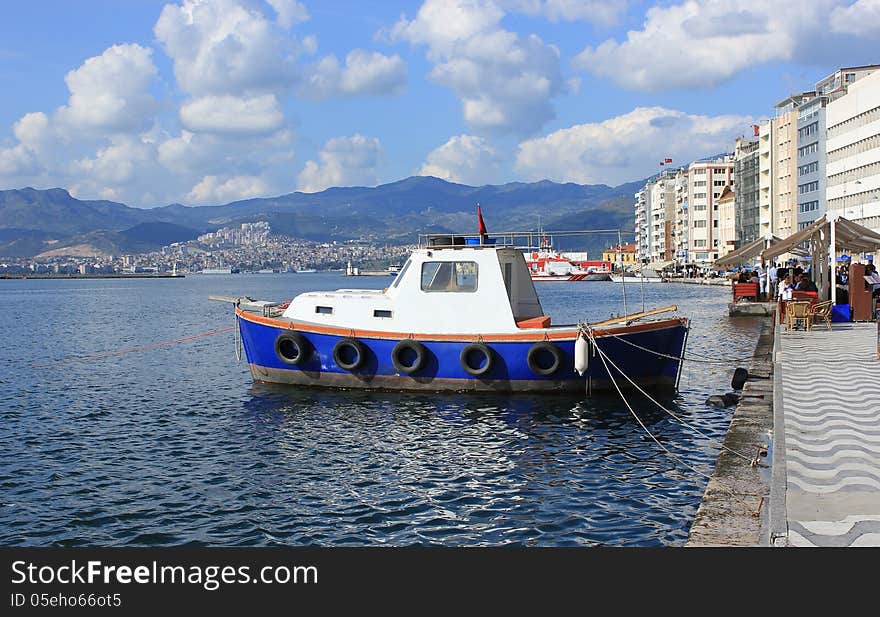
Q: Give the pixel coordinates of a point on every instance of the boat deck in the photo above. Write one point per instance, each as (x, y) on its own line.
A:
(825, 489)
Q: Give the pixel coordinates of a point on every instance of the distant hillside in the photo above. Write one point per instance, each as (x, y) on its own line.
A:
(34, 221)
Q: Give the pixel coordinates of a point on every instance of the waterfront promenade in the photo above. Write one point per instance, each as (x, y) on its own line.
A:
(825, 486)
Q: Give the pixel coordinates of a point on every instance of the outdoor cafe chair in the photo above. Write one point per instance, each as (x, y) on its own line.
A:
(821, 310)
(797, 313)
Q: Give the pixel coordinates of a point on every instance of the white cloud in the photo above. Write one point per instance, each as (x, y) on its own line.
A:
(344, 161)
(110, 92)
(18, 162)
(860, 18)
(289, 12)
(227, 47)
(365, 73)
(218, 190)
(701, 43)
(466, 159)
(232, 115)
(505, 81)
(598, 11)
(627, 147)
(119, 162)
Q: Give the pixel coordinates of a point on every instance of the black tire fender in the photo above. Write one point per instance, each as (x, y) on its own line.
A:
(414, 346)
(487, 353)
(349, 343)
(292, 348)
(544, 347)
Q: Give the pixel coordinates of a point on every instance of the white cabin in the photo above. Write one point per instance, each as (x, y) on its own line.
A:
(445, 290)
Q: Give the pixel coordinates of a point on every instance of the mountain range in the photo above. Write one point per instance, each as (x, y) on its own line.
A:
(51, 222)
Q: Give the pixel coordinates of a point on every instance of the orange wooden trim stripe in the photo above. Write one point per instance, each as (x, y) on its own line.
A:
(513, 337)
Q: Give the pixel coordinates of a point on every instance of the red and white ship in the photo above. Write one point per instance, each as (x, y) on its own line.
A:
(548, 265)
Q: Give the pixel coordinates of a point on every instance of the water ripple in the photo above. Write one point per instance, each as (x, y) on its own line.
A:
(176, 445)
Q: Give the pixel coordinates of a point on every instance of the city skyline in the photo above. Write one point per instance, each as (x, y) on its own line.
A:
(206, 102)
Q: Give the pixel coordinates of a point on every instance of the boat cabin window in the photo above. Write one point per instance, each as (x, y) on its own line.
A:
(401, 273)
(324, 310)
(381, 313)
(449, 276)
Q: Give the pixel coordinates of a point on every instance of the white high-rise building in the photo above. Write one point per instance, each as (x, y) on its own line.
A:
(643, 231)
(853, 149)
(662, 216)
(681, 217)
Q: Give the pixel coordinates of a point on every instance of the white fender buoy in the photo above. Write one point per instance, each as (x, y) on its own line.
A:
(581, 354)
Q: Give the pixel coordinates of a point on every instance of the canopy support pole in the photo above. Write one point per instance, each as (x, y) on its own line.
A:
(833, 259)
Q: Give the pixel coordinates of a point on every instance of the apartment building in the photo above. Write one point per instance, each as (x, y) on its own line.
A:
(642, 229)
(680, 233)
(811, 160)
(767, 179)
(706, 181)
(746, 178)
(662, 217)
(852, 146)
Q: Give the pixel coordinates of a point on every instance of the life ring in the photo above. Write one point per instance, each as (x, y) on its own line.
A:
(538, 356)
(292, 348)
(402, 356)
(474, 349)
(349, 354)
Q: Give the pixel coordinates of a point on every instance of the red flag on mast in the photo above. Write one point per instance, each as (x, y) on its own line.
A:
(481, 226)
(668, 160)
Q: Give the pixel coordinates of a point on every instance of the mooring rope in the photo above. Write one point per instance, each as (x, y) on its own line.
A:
(133, 349)
(669, 411)
(698, 358)
(677, 458)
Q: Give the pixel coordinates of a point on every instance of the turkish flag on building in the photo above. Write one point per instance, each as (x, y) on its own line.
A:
(668, 160)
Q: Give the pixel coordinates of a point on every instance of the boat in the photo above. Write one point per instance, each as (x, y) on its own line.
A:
(216, 271)
(462, 315)
(645, 276)
(546, 265)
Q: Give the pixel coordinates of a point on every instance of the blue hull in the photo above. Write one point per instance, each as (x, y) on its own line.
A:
(442, 369)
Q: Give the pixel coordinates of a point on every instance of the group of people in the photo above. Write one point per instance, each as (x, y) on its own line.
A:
(783, 280)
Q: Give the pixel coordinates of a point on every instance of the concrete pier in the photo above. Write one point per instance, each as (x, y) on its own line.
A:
(826, 471)
(734, 507)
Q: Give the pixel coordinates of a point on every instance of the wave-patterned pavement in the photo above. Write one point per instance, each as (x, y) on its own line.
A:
(831, 416)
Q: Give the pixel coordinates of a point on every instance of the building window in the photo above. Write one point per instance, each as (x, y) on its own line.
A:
(809, 187)
(809, 149)
(699, 224)
(809, 168)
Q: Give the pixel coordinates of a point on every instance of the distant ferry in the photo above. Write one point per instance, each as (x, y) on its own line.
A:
(216, 271)
(548, 265)
(307, 271)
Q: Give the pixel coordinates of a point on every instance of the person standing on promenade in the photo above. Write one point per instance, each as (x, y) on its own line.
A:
(762, 281)
(774, 281)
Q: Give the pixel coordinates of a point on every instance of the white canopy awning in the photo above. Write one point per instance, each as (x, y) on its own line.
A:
(792, 244)
(747, 252)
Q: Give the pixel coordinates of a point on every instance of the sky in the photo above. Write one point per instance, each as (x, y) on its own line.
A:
(209, 101)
